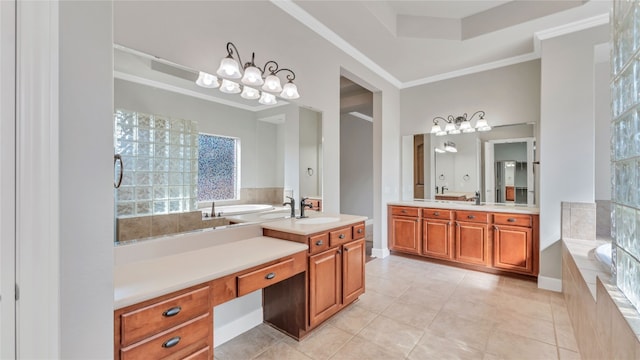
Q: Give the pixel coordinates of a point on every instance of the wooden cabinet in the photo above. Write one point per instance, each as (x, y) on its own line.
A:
(437, 233)
(405, 230)
(335, 279)
(513, 243)
(482, 240)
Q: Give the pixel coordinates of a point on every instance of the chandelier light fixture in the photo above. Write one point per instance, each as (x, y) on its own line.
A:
(460, 124)
(254, 82)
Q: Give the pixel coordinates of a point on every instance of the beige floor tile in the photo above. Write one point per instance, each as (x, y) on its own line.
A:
(360, 349)
(474, 309)
(536, 329)
(527, 306)
(432, 346)
(396, 337)
(510, 346)
(353, 319)
(374, 301)
(248, 345)
(389, 287)
(473, 333)
(282, 351)
(415, 315)
(322, 343)
(568, 355)
(426, 297)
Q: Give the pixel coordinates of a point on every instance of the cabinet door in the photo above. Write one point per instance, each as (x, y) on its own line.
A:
(352, 270)
(405, 234)
(436, 238)
(472, 243)
(513, 248)
(324, 285)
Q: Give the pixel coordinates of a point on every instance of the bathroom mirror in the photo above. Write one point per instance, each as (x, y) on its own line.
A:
(278, 151)
(462, 164)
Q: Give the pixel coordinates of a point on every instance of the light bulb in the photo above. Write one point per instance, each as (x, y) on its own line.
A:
(250, 93)
(272, 84)
(229, 87)
(207, 80)
(229, 68)
(252, 76)
(290, 91)
(267, 99)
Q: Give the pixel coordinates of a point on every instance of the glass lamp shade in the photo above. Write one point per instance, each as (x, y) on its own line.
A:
(439, 150)
(290, 91)
(252, 76)
(435, 129)
(454, 132)
(485, 128)
(450, 127)
(450, 147)
(465, 125)
(229, 87)
(441, 133)
(207, 80)
(469, 130)
(267, 99)
(229, 68)
(250, 93)
(272, 84)
(481, 123)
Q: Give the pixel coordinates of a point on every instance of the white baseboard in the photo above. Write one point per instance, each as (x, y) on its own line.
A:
(245, 323)
(380, 253)
(549, 283)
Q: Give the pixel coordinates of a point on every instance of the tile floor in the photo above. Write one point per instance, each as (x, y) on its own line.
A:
(414, 309)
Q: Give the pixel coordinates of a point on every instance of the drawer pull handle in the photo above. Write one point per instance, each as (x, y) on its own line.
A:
(171, 342)
(346, 249)
(471, 216)
(270, 276)
(341, 236)
(172, 312)
(511, 220)
(404, 211)
(437, 213)
(319, 243)
(359, 231)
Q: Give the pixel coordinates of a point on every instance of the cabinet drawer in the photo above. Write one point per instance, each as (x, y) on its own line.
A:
(340, 236)
(318, 243)
(473, 216)
(152, 319)
(185, 338)
(265, 276)
(405, 211)
(436, 214)
(513, 219)
(358, 231)
(202, 354)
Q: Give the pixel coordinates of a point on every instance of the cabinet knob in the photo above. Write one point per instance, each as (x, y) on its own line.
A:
(437, 213)
(319, 243)
(359, 231)
(511, 220)
(471, 216)
(341, 236)
(346, 249)
(171, 342)
(404, 211)
(496, 228)
(270, 276)
(172, 312)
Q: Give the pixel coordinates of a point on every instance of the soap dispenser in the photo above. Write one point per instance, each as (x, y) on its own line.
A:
(477, 197)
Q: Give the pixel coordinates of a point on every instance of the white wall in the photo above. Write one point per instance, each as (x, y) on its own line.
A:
(310, 148)
(566, 135)
(356, 166)
(602, 131)
(258, 139)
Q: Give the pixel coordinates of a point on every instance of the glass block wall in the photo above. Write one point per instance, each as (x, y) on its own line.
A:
(625, 148)
(217, 168)
(159, 157)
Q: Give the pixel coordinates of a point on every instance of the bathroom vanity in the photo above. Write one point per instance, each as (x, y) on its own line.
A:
(308, 269)
(491, 238)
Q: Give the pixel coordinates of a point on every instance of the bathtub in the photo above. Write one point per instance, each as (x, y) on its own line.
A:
(602, 253)
(240, 209)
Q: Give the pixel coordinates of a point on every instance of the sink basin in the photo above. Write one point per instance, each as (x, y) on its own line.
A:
(317, 220)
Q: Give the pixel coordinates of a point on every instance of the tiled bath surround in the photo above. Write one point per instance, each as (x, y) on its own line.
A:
(605, 323)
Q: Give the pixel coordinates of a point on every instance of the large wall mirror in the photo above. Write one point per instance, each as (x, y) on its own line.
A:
(497, 164)
(196, 159)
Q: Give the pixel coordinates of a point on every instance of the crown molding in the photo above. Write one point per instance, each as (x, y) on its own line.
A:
(565, 29)
(176, 89)
(319, 28)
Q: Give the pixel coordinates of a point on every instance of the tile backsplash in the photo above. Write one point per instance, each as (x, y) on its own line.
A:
(578, 220)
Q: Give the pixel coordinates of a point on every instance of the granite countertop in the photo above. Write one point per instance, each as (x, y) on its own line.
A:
(143, 280)
(307, 226)
(461, 205)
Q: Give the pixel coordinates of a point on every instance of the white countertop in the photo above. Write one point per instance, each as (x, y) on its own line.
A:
(143, 280)
(295, 226)
(462, 205)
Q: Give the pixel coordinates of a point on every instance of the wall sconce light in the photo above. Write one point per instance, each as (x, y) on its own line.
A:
(251, 78)
(450, 146)
(459, 124)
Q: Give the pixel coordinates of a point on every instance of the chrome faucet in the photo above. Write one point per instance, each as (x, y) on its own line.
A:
(304, 204)
(213, 209)
(444, 188)
(477, 197)
(291, 203)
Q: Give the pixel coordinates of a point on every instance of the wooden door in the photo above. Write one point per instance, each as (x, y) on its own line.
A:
(352, 270)
(436, 238)
(513, 248)
(324, 285)
(472, 243)
(405, 234)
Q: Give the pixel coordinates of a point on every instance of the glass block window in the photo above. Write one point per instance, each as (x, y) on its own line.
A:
(625, 148)
(159, 162)
(218, 170)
